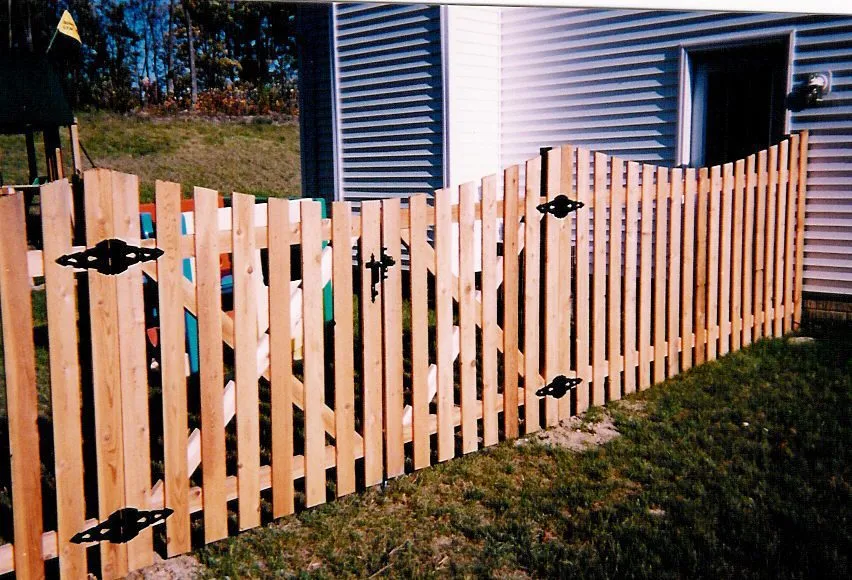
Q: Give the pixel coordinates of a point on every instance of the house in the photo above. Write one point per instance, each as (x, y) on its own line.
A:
(402, 99)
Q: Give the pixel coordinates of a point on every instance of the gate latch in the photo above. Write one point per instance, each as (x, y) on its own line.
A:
(122, 526)
(109, 257)
(378, 270)
(560, 206)
(558, 387)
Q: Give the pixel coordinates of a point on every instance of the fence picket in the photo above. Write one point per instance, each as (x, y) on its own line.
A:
(281, 361)
(713, 262)
(532, 291)
(749, 250)
(689, 255)
(701, 320)
(552, 287)
(631, 243)
(790, 195)
(467, 317)
(645, 262)
(674, 291)
(582, 321)
(599, 281)
(444, 327)
(800, 225)
(371, 338)
(106, 374)
(392, 305)
(769, 271)
(489, 311)
(21, 393)
(209, 298)
(245, 361)
(780, 237)
(760, 247)
(737, 257)
(660, 279)
(725, 259)
(510, 302)
(314, 357)
(64, 377)
(614, 289)
(419, 331)
(566, 246)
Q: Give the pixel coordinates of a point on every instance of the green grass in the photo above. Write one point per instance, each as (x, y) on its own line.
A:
(737, 469)
(260, 157)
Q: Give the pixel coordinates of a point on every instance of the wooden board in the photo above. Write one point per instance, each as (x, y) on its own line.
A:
(392, 304)
(800, 226)
(675, 293)
(725, 259)
(760, 243)
(510, 302)
(600, 196)
(660, 275)
(631, 244)
(748, 249)
(281, 363)
(209, 299)
(689, 258)
(780, 241)
(21, 392)
(489, 311)
(444, 326)
(419, 331)
(737, 257)
(789, 237)
(701, 322)
(713, 262)
(467, 317)
(532, 293)
(314, 362)
(583, 320)
(552, 287)
(245, 362)
(769, 255)
(566, 248)
(65, 377)
(614, 318)
(106, 374)
(371, 337)
(645, 262)
(172, 348)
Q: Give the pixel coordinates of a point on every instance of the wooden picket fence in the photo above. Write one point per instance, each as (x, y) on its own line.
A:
(662, 269)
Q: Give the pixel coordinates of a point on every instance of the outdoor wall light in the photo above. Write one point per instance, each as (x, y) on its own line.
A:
(818, 86)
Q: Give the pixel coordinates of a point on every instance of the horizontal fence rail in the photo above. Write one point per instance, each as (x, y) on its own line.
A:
(317, 375)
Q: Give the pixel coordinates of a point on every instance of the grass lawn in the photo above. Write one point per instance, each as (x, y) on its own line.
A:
(737, 469)
(257, 157)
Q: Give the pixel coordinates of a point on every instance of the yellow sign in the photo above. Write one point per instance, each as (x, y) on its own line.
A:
(67, 27)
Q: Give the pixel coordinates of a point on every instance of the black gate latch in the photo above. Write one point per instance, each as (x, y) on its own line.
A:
(122, 526)
(110, 257)
(558, 387)
(378, 270)
(560, 206)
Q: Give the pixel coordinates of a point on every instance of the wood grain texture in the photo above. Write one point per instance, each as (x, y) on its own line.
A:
(631, 245)
(489, 311)
(419, 331)
(532, 293)
(600, 197)
(748, 248)
(552, 312)
(209, 300)
(510, 301)
(769, 253)
(566, 248)
(615, 280)
(725, 259)
(713, 262)
(584, 311)
(660, 274)
(760, 243)
(790, 233)
(281, 361)
(444, 326)
(701, 323)
(646, 298)
(467, 317)
(21, 394)
(800, 226)
(737, 257)
(675, 292)
(65, 377)
(780, 241)
(689, 257)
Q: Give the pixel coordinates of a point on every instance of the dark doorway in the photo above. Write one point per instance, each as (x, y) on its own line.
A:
(737, 100)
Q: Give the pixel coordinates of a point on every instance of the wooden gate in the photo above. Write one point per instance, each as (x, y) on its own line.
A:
(482, 313)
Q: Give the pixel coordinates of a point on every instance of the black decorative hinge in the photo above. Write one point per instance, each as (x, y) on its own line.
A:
(378, 270)
(558, 387)
(122, 526)
(560, 206)
(109, 257)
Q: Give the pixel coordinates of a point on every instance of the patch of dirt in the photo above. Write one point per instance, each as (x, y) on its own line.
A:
(177, 568)
(577, 434)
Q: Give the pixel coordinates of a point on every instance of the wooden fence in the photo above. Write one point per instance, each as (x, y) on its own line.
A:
(660, 270)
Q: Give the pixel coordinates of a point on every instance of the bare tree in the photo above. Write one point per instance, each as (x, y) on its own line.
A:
(170, 73)
(189, 34)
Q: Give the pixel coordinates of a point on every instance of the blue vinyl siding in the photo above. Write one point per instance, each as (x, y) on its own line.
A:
(608, 80)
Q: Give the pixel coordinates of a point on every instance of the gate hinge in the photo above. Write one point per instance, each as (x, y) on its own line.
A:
(109, 257)
(558, 387)
(122, 526)
(378, 270)
(560, 206)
